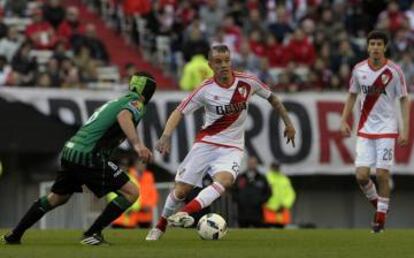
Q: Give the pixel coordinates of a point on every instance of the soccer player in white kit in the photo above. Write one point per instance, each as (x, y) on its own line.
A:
(380, 82)
(219, 145)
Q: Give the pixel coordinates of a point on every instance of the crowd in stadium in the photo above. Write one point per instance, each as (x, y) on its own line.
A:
(290, 45)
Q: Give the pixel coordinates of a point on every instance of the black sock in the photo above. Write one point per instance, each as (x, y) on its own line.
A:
(112, 211)
(34, 214)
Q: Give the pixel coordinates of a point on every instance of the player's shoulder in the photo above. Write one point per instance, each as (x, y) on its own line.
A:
(361, 65)
(245, 75)
(394, 66)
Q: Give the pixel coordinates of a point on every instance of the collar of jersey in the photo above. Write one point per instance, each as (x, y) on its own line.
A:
(226, 86)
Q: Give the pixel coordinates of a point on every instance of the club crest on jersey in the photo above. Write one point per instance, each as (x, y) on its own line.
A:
(385, 78)
(138, 105)
(242, 91)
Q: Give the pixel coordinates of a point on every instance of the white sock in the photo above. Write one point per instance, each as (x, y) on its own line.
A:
(383, 204)
(370, 191)
(172, 204)
(209, 194)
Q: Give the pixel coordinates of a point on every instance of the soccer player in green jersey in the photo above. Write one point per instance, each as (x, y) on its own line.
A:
(85, 160)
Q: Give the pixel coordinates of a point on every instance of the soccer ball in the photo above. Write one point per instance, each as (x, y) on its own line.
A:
(212, 227)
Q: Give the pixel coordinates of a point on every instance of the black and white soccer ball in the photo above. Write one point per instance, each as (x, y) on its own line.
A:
(212, 227)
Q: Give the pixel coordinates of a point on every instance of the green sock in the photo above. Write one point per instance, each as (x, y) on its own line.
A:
(112, 211)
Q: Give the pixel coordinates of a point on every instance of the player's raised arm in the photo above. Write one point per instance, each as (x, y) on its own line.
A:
(164, 144)
(405, 114)
(349, 106)
(290, 130)
(126, 123)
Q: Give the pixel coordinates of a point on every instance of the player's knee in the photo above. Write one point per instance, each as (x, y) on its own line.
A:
(362, 179)
(57, 199)
(181, 190)
(383, 175)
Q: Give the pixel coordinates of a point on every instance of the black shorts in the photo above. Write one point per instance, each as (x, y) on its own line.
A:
(100, 181)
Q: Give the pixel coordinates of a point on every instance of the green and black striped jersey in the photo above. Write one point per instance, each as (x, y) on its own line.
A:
(101, 134)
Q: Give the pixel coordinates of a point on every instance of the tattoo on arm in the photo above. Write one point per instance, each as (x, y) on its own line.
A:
(280, 108)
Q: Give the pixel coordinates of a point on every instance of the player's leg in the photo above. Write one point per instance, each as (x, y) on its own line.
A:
(38, 209)
(62, 189)
(173, 203)
(385, 158)
(223, 169)
(365, 158)
(115, 180)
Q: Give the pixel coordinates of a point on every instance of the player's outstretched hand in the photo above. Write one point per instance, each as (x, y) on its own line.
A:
(164, 144)
(403, 139)
(143, 152)
(289, 134)
(345, 129)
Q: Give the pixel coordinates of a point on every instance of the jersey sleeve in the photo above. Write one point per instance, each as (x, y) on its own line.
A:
(260, 88)
(401, 87)
(135, 107)
(193, 102)
(354, 86)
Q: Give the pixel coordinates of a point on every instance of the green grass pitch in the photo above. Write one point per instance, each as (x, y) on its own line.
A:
(185, 243)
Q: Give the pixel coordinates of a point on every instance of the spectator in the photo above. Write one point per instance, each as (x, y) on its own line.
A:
(277, 209)
(275, 52)
(3, 26)
(25, 65)
(71, 29)
(251, 191)
(10, 44)
(281, 27)
(195, 71)
(86, 65)
(212, 15)
(264, 73)
(96, 46)
(246, 60)
(300, 49)
(53, 12)
(141, 212)
(69, 74)
(60, 52)
(254, 22)
(392, 18)
(52, 68)
(256, 43)
(5, 71)
(407, 66)
(195, 43)
(43, 80)
(40, 32)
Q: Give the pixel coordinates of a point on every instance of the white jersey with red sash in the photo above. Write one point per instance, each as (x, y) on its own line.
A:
(225, 108)
(379, 89)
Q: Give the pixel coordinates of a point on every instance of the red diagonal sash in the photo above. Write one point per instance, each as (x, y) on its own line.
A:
(228, 119)
(382, 81)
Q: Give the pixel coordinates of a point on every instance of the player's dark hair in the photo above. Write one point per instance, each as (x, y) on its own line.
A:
(144, 84)
(218, 48)
(377, 34)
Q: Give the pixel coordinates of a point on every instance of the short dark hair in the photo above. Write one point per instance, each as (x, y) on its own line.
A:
(221, 48)
(144, 84)
(377, 34)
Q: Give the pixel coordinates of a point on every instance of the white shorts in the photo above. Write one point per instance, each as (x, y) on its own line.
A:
(378, 153)
(209, 159)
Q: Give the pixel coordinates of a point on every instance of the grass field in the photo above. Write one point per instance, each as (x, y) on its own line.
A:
(182, 243)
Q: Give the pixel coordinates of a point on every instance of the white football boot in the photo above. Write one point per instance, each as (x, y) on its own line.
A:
(181, 219)
(154, 234)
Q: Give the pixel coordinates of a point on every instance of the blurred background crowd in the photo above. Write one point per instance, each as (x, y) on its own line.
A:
(292, 45)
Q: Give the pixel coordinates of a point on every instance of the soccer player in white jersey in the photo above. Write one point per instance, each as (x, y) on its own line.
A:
(380, 82)
(219, 145)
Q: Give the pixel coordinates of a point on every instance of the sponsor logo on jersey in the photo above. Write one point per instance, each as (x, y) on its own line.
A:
(371, 90)
(231, 108)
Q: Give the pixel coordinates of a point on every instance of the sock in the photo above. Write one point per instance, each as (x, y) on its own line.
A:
(370, 192)
(206, 197)
(112, 211)
(34, 214)
(172, 204)
(383, 204)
